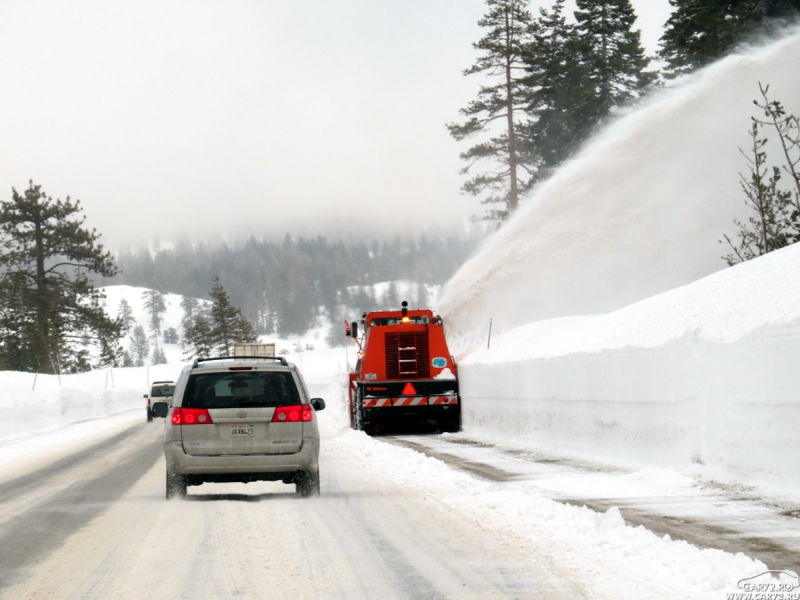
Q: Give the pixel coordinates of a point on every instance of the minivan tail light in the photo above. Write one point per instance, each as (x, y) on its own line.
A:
(191, 416)
(293, 414)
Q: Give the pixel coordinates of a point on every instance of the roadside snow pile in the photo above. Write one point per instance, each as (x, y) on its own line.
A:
(762, 294)
(701, 374)
(638, 212)
(33, 403)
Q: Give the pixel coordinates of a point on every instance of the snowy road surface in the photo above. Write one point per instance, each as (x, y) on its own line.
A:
(707, 514)
(95, 524)
(83, 515)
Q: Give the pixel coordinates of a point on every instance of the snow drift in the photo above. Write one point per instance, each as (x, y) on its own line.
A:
(694, 361)
(703, 374)
(639, 211)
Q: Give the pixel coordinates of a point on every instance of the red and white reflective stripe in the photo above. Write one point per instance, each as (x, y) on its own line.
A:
(443, 400)
(410, 401)
(374, 402)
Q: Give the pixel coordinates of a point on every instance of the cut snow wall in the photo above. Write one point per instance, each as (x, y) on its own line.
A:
(25, 410)
(34, 411)
(731, 405)
(704, 373)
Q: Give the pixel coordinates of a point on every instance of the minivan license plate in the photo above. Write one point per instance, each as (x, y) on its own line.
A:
(242, 430)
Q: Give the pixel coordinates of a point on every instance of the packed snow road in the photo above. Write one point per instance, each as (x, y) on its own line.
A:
(705, 513)
(83, 515)
(94, 524)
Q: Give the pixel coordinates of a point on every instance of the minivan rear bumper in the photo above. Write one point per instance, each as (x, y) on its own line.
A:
(180, 463)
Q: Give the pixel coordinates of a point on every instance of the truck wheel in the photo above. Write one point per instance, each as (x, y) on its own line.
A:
(358, 412)
(309, 486)
(363, 425)
(352, 408)
(176, 485)
(149, 416)
(451, 426)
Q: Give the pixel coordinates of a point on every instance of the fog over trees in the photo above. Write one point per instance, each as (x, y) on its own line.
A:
(281, 286)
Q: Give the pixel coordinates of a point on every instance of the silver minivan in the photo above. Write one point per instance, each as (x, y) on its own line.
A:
(241, 420)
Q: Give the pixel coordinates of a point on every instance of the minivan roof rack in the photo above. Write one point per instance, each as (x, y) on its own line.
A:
(155, 382)
(280, 359)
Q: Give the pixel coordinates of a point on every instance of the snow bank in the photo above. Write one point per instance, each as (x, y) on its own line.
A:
(638, 212)
(703, 373)
(36, 403)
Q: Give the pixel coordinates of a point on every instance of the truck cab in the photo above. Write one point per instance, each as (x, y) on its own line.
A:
(404, 374)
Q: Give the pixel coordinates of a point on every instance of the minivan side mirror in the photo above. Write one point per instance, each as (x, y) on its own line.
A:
(160, 409)
(145, 396)
(318, 404)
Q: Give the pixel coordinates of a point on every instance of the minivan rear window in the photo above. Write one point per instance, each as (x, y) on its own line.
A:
(237, 390)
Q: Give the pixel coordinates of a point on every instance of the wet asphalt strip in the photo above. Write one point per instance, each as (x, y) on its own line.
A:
(45, 526)
(695, 531)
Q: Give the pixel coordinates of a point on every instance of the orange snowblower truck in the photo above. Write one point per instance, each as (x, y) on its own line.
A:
(405, 375)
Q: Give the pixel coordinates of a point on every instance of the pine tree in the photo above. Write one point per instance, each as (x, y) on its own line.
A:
(191, 310)
(159, 358)
(560, 90)
(229, 325)
(508, 23)
(613, 54)
(155, 306)
(198, 338)
(125, 315)
(140, 345)
(17, 322)
(701, 31)
(46, 260)
(170, 335)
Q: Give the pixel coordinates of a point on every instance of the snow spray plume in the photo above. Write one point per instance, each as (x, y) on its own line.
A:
(640, 210)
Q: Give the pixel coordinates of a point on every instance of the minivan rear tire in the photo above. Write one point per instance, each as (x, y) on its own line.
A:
(176, 485)
(309, 485)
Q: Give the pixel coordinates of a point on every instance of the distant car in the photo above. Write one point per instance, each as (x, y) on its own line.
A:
(160, 393)
(242, 420)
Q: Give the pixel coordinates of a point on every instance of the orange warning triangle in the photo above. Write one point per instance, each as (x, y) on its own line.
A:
(409, 390)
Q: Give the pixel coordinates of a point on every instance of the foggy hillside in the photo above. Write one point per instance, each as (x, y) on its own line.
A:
(281, 286)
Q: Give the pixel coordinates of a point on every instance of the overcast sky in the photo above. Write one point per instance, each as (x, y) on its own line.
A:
(209, 119)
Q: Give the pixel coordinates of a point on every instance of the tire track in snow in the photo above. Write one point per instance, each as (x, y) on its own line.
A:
(20, 485)
(43, 527)
(776, 553)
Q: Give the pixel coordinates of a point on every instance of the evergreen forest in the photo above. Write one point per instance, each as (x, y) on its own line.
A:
(281, 286)
(550, 78)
